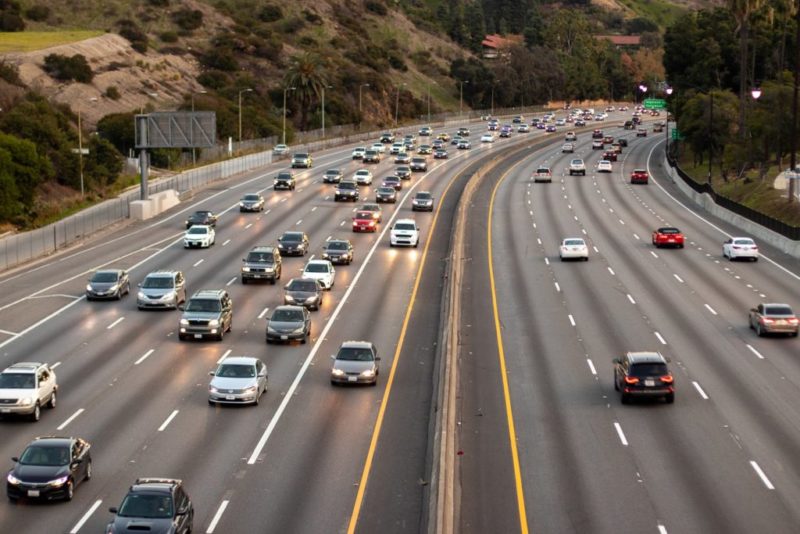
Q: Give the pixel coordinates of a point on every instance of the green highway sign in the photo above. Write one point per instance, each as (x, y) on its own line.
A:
(676, 135)
(655, 103)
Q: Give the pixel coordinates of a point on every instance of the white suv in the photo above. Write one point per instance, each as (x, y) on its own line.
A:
(25, 387)
(577, 166)
(404, 232)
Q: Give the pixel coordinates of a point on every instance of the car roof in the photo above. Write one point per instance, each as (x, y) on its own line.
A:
(325, 262)
(162, 485)
(646, 357)
(356, 345)
(337, 241)
(25, 367)
(240, 360)
(664, 228)
(209, 293)
(115, 271)
(289, 307)
(51, 440)
(293, 233)
(162, 273)
(412, 221)
(262, 248)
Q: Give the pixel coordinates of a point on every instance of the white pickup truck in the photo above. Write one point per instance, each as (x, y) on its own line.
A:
(25, 387)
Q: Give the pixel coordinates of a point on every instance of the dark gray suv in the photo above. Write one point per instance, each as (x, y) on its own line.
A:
(156, 505)
(209, 313)
(262, 263)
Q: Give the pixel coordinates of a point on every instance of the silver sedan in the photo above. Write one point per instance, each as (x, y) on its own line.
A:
(238, 380)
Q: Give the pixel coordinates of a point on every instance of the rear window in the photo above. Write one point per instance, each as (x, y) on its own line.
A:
(649, 369)
(405, 226)
(259, 257)
(778, 310)
(543, 170)
(669, 230)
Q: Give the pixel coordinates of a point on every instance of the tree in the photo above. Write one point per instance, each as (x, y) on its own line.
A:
(26, 168)
(307, 75)
(118, 129)
(741, 11)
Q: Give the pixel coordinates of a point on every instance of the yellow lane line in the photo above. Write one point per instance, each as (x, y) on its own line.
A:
(512, 434)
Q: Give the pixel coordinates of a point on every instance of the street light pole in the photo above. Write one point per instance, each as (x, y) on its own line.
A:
(668, 92)
(285, 90)
(194, 155)
(248, 90)
(359, 99)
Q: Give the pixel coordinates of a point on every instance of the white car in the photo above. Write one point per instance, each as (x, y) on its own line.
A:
(280, 150)
(464, 144)
(561, 122)
(577, 166)
(404, 232)
(573, 248)
(199, 235)
(397, 148)
(358, 152)
(378, 147)
(487, 138)
(604, 166)
(363, 177)
(523, 128)
(26, 388)
(740, 247)
(570, 136)
(321, 270)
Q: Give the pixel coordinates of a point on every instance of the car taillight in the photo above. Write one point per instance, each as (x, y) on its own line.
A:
(631, 380)
(667, 379)
(767, 320)
(793, 320)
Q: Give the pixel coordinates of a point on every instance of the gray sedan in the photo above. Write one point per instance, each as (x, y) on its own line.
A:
(303, 292)
(238, 380)
(288, 323)
(251, 202)
(355, 363)
(108, 284)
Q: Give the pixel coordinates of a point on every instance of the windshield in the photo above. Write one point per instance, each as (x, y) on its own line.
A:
(291, 237)
(201, 214)
(317, 267)
(368, 214)
(17, 381)
(423, 196)
(158, 282)
(778, 310)
(574, 242)
(355, 355)
(284, 176)
(649, 369)
(203, 305)
(51, 455)
(259, 257)
(333, 173)
(287, 316)
(404, 226)
(104, 277)
(250, 197)
(337, 245)
(236, 371)
(347, 185)
(302, 285)
(362, 173)
(198, 230)
(146, 505)
(386, 190)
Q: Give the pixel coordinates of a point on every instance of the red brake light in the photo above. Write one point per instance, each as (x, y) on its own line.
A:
(631, 380)
(667, 379)
(767, 320)
(793, 320)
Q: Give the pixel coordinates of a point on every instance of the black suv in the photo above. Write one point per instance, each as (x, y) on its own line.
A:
(284, 180)
(157, 505)
(643, 374)
(262, 263)
(346, 190)
(203, 217)
(293, 244)
(208, 313)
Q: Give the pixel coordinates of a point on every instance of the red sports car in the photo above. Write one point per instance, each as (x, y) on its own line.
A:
(668, 236)
(639, 176)
(364, 221)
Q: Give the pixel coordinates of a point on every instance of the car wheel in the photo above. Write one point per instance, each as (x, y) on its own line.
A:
(304, 339)
(221, 334)
(586, 258)
(616, 386)
(244, 280)
(52, 402)
(181, 337)
(70, 491)
(211, 403)
(37, 412)
(624, 398)
(88, 475)
(416, 243)
(258, 398)
(269, 341)
(755, 259)
(670, 398)
(759, 330)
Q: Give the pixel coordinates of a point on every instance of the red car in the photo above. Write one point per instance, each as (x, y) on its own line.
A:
(639, 176)
(608, 139)
(668, 236)
(364, 221)
(610, 155)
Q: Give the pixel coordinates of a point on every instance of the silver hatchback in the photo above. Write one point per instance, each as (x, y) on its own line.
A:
(238, 380)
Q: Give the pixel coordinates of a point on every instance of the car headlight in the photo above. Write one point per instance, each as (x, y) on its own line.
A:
(212, 389)
(184, 322)
(246, 269)
(26, 401)
(271, 330)
(213, 322)
(59, 481)
(312, 299)
(337, 372)
(269, 269)
(241, 204)
(289, 298)
(369, 373)
(169, 296)
(88, 287)
(13, 480)
(114, 287)
(140, 295)
(299, 330)
(325, 255)
(251, 389)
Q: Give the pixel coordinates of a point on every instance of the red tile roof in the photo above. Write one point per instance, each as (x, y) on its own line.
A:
(622, 40)
(498, 41)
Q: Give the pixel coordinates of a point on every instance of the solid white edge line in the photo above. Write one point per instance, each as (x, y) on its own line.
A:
(761, 474)
(263, 312)
(71, 418)
(226, 242)
(700, 390)
(168, 420)
(571, 319)
(225, 355)
(144, 357)
(217, 516)
(754, 351)
(630, 298)
(55, 365)
(591, 366)
(115, 323)
(662, 529)
(620, 433)
(712, 310)
(86, 517)
(661, 339)
(232, 280)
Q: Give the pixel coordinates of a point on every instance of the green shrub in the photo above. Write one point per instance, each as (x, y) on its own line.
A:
(168, 37)
(213, 79)
(38, 13)
(66, 68)
(292, 25)
(188, 19)
(113, 93)
(130, 31)
(9, 73)
(219, 59)
(11, 22)
(376, 6)
(270, 13)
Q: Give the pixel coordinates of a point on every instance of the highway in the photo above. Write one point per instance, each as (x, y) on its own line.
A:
(722, 458)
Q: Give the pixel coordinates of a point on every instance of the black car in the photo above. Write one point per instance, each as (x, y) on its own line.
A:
(202, 217)
(402, 172)
(622, 141)
(338, 251)
(332, 176)
(387, 137)
(251, 202)
(346, 190)
(293, 244)
(422, 201)
(643, 374)
(303, 292)
(440, 154)
(50, 468)
(289, 322)
(155, 505)
(385, 194)
(392, 181)
(284, 180)
(108, 284)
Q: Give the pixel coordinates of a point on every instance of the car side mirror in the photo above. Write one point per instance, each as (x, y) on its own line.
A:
(377, 358)
(211, 373)
(138, 285)
(14, 459)
(754, 310)
(181, 307)
(333, 357)
(113, 509)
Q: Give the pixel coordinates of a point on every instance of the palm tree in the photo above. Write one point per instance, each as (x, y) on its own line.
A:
(741, 11)
(307, 75)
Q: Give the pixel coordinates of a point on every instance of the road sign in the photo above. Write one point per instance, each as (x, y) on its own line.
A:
(655, 103)
(83, 151)
(676, 135)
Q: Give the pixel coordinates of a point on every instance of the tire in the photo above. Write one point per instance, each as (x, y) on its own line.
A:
(244, 281)
(70, 491)
(52, 402)
(680, 246)
(755, 259)
(416, 243)
(221, 334)
(304, 339)
(759, 331)
(269, 342)
(88, 475)
(211, 403)
(258, 399)
(670, 398)
(616, 386)
(37, 413)
(586, 258)
(624, 398)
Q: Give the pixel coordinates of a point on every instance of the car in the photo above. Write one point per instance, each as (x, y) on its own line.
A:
(262, 263)
(610, 155)
(641, 132)
(162, 289)
(321, 270)
(26, 387)
(609, 109)
(487, 138)
(208, 313)
(378, 147)
(356, 362)
(50, 468)
(740, 247)
(284, 180)
(523, 128)
(387, 137)
(543, 174)
(628, 125)
(774, 318)
(288, 323)
(251, 202)
(561, 122)
(597, 144)
(658, 127)
(160, 504)
(108, 284)
(332, 176)
(622, 142)
(604, 166)
(338, 251)
(616, 149)
(204, 217)
(518, 119)
(302, 159)
(505, 131)
(580, 122)
(422, 201)
(608, 139)
(577, 166)
(440, 154)
(639, 176)
(597, 134)
(404, 232)
(346, 190)
(358, 152)
(463, 131)
(443, 136)
(293, 244)
(403, 172)
(393, 181)
(567, 148)
(371, 156)
(397, 148)
(304, 292)
(386, 194)
(623, 108)
(643, 374)
(363, 221)
(570, 136)
(551, 128)
(667, 236)
(238, 380)
(200, 236)
(410, 137)
(363, 177)
(374, 208)
(425, 150)
(280, 150)
(419, 164)
(464, 144)
(425, 131)
(408, 145)
(437, 144)
(402, 159)
(455, 140)
(573, 248)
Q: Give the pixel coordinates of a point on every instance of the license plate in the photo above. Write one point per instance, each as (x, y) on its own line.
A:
(198, 336)
(230, 397)
(33, 493)
(649, 382)
(284, 337)
(256, 276)
(352, 379)
(334, 258)
(5, 410)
